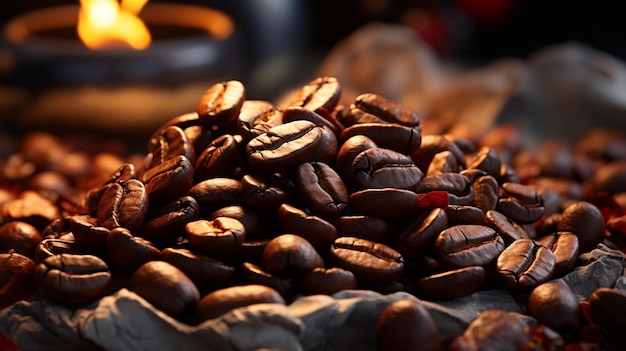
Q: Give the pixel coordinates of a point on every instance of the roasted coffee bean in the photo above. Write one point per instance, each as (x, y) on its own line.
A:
(169, 180)
(505, 139)
(468, 245)
(465, 281)
(290, 253)
(88, 231)
(71, 278)
(250, 273)
(327, 281)
(257, 117)
(349, 151)
(321, 189)
(258, 192)
(487, 160)
(183, 121)
(525, 264)
(370, 262)
(123, 204)
(420, 233)
(585, 220)
(329, 146)
(214, 193)
(129, 251)
(20, 237)
(314, 229)
(171, 142)
(460, 215)
(221, 103)
(383, 168)
(386, 203)
(165, 287)
(432, 145)
(56, 228)
(255, 224)
(321, 92)
(565, 247)
(207, 273)
(442, 162)
(219, 158)
(606, 311)
(32, 208)
(219, 237)
(393, 136)
(284, 147)
(387, 109)
(459, 189)
(406, 325)
(602, 144)
(494, 330)
(295, 113)
(92, 199)
(225, 300)
(51, 247)
(556, 306)
(363, 227)
(508, 229)
(251, 250)
(16, 278)
(167, 222)
(485, 188)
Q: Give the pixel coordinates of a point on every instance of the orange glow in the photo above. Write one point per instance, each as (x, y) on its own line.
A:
(107, 23)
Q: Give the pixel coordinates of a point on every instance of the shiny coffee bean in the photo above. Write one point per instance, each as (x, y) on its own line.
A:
(432, 145)
(348, 152)
(169, 180)
(465, 281)
(214, 193)
(284, 147)
(129, 251)
(123, 204)
(525, 264)
(508, 229)
(363, 227)
(257, 117)
(386, 109)
(565, 247)
(254, 223)
(468, 245)
(294, 113)
(260, 193)
(586, 221)
(250, 273)
(314, 229)
(606, 311)
(220, 104)
(19, 237)
(225, 300)
(71, 278)
(442, 162)
(370, 262)
(166, 222)
(383, 168)
(290, 253)
(171, 141)
(485, 188)
(494, 329)
(386, 203)
(219, 159)
(166, 287)
(406, 325)
(88, 231)
(16, 278)
(329, 146)
(556, 306)
(219, 237)
(487, 160)
(183, 121)
(420, 233)
(459, 189)
(521, 203)
(51, 247)
(207, 273)
(393, 136)
(321, 92)
(321, 189)
(460, 215)
(327, 281)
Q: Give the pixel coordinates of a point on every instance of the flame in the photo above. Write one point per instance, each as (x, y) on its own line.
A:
(107, 23)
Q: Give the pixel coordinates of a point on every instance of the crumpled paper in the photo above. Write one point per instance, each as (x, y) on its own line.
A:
(342, 322)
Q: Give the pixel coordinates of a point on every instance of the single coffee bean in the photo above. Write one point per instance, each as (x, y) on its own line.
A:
(465, 281)
(329, 146)
(123, 204)
(257, 117)
(494, 330)
(565, 247)
(214, 193)
(433, 144)
(442, 162)
(255, 224)
(321, 92)
(289, 253)
(295, 113)
(521, 203)
(606, 311)
(284, 147)
(16, 278)
(165, 287)
(258, 192)
(169, 180)
(219, 237)
(224, 300)
(71, 278)
(386, 109)
(348, 152)
(420, 233)
(321, 189)
(327, 281)
(393, 136)
(171, 141)
(383, 168)
(508, 229)
(459, 188)
(207, 273)
(370, 262)
(525, 264)
(460, 215)
(363, 227)
(168, 221)
(386, 203)
(485, 188)
(468, 245)
(182, 121)
(556, 306)
(51, 247)
(586, 221)
(406, 325)
(250, 273)
(220, 104)
(129, 251)
(20, 237)
(486, 159)
(314, 229)
(88, 231)
(219, 158)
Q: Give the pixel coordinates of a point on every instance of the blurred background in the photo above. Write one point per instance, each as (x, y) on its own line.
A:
(280, 44)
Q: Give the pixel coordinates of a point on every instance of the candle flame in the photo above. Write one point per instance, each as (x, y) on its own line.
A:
(107, 23)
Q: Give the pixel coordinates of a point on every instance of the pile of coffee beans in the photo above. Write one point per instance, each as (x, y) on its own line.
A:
(244, 202)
